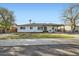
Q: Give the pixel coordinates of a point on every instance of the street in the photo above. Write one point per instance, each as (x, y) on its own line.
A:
(39, 47)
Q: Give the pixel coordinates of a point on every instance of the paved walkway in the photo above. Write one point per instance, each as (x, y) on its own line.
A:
(39, 47)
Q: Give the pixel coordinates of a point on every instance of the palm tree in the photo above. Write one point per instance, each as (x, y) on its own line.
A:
(30, 21)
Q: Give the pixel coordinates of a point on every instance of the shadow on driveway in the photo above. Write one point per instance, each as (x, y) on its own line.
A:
(41, 50)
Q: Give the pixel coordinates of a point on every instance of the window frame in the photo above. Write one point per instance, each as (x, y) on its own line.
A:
(22, 27)
(40, 28)
(31, 27)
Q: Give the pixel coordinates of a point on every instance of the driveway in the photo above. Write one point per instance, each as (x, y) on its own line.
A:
(39, 47)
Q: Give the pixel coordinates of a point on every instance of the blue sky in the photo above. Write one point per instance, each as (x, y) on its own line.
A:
(39, 13)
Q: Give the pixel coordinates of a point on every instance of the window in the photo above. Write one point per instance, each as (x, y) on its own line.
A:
(22, 27)
(52, 28)
(31, 27)
(40, 28)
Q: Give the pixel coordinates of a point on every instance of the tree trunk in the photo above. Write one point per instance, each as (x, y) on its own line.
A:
(73, 28)
(73, 25)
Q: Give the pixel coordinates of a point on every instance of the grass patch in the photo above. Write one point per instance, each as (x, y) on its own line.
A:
(52, 36)
(37, 35)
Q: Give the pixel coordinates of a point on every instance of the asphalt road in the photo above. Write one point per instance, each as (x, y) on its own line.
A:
(39, 47)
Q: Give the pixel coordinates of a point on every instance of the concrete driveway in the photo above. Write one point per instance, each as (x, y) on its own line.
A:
(39, 47)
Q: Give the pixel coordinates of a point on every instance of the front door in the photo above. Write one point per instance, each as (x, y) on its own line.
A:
(45, 29)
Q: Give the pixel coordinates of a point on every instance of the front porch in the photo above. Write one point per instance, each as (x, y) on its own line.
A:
(54, 28)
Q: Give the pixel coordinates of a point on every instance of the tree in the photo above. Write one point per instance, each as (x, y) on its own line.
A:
(6, 19)
(71, 16)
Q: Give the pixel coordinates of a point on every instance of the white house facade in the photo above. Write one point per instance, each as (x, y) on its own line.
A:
(39, 27)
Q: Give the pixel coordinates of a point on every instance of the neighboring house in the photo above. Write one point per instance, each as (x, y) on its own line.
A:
(40, 27)
(68, 28)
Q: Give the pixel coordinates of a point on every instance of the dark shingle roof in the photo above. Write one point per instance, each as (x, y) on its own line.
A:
(41, 24)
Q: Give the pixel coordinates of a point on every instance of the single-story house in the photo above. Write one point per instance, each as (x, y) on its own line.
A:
(40, 27)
